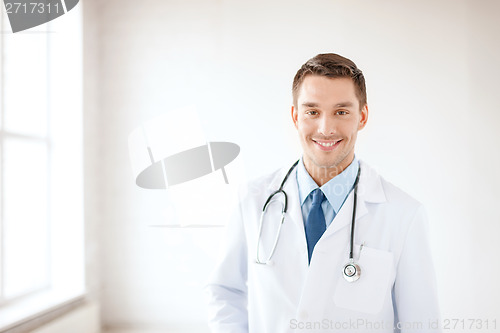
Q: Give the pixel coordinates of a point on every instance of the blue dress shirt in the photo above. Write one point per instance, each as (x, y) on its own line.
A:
(336, 190)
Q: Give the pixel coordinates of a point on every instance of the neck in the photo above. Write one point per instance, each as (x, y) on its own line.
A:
(322, 174)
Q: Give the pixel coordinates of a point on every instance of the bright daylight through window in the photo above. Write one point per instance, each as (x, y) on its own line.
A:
(41, 181)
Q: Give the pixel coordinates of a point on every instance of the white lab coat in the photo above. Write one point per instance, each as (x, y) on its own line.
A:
(397, 282)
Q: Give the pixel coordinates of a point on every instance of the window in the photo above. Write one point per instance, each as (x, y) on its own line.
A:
(41, 208)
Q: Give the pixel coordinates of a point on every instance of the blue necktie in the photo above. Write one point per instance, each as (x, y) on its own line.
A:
(315, 224)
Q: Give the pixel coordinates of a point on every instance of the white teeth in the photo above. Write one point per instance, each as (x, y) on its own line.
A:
(327, 144)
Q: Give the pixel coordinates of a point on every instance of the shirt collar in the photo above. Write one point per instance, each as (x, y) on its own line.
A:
(335, 190)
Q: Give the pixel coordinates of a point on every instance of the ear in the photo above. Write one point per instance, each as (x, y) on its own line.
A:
(294, 116)
(364, 117)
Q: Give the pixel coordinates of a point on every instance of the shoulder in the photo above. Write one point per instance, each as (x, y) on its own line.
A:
(388, 193)
(395, 194)
(262, 186)
(393, 210)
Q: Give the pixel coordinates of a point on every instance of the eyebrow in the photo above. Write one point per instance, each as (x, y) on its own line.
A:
(338, 105)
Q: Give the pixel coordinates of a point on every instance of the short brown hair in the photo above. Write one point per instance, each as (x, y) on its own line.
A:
(333, 66)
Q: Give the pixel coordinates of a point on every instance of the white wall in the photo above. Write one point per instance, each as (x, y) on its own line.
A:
(431, 69)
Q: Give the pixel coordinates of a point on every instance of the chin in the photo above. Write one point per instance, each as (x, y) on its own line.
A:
(325, 163)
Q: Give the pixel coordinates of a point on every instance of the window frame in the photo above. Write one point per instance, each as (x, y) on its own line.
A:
(52, 297)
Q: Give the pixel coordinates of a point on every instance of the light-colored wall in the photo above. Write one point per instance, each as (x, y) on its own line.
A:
(431, 69)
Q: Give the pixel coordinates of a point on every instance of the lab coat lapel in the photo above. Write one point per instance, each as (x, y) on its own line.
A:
(344, 216)
(293, 226)
(324, 268)
(370, 190)
(294, 212)
(294, 209)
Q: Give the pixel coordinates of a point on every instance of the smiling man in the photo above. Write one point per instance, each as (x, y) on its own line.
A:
(326, 244)
(328, 115)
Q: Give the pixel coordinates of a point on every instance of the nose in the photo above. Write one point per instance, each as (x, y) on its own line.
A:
(326, 125)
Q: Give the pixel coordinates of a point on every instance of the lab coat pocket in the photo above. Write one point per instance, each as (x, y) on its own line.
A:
(369, 292)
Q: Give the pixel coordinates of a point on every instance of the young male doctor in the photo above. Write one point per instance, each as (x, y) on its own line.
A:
(351, 253)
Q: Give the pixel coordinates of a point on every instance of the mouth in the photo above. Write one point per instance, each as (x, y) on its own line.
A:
(327, 145)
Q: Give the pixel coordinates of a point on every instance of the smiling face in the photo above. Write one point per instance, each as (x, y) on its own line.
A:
(328, 116)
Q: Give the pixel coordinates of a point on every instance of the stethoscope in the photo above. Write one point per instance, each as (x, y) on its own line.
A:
(351, 271)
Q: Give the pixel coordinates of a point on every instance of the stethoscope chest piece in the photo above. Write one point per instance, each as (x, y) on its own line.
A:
(351, 272)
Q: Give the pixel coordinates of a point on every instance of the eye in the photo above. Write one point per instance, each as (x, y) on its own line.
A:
(341, 112)
(312, 112)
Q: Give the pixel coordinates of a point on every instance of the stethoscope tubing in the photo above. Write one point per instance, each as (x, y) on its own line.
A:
(284, 210)
(351, 251)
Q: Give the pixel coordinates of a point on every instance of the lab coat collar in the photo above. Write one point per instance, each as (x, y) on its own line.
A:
(370, 190)
(294, 212)
(370, 187)
(343, 182)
